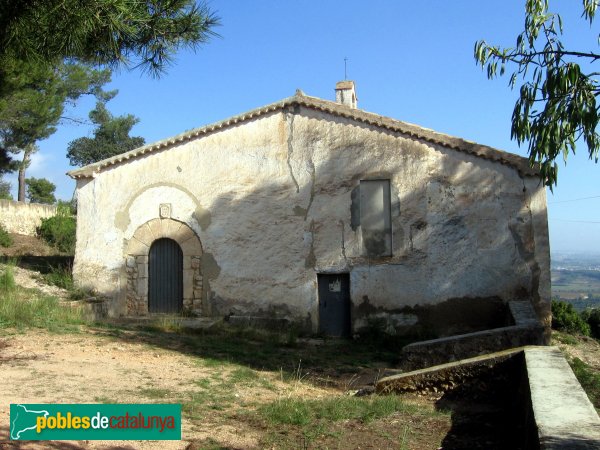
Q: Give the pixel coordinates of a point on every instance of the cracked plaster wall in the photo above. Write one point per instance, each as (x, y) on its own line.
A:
(271, 201)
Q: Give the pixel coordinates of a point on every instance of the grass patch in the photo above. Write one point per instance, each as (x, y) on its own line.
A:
(7, 279)
(250, 378)
(23, 311)
(209, 362)
(165, 324)
(589, 380)
(196, 405)
(295, 411)
(155, 393)
(24, 308)
(204, 383)
(564, 338)
(243, 375)
(313, 420)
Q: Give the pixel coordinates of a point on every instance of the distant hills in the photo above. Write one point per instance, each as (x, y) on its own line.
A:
(576, 279)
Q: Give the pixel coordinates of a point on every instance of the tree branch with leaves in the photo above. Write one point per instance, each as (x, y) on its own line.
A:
(141, 33)
(111, 137)
(557, 107)
(40, 40)
(33, 98)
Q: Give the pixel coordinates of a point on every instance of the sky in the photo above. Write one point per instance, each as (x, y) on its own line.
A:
(411, 60)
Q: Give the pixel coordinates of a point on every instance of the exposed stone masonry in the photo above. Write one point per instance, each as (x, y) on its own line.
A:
(136, 264)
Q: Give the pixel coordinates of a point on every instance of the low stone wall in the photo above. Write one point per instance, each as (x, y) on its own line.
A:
(526, 331)
(564, 416)
(445, 377)
(548, 407)
(24, 218)
(487, 396)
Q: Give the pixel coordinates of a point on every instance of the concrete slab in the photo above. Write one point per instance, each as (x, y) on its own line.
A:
(565, 417)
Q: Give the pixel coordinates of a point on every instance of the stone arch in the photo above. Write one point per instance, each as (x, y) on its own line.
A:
(136, 263)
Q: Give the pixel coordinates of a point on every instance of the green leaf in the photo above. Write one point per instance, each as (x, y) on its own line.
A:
(557, 102)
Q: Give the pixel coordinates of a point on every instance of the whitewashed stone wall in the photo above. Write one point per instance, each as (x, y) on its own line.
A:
(271, 202)
(24, 218)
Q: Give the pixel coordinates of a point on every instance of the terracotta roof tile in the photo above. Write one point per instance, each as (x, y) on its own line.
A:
(510, 159)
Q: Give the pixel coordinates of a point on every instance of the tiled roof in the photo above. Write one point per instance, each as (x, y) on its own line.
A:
(510, 159)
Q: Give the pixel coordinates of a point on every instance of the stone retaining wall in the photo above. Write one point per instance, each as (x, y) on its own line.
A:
(24, 218)
(564, 416)
(527, 330)
(552, 410)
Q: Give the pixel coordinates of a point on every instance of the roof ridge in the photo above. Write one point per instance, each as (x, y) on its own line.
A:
(300, 98)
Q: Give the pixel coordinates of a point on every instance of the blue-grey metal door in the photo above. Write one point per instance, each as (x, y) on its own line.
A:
(334, 304)
(165, 277)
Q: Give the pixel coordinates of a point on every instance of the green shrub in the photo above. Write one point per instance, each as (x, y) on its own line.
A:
(5, 239)
(592, 317)
(565, 318)
(59, 230)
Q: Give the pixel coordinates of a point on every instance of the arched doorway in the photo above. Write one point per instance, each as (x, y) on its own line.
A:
(136, 264)
(165, 277)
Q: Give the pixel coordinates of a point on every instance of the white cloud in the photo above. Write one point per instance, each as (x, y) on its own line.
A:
(38, 166)
(41, 166)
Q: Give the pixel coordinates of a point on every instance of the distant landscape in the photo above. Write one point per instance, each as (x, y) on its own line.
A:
(576, 279)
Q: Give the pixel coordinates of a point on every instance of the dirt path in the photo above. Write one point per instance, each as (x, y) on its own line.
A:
(39, 367)
(220, 383)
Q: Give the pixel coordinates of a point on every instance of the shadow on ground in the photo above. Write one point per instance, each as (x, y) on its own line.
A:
(346, 364)
(42, 264)
(491, 411)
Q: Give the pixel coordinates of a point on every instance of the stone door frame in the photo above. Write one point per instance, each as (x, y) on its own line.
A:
(136, 264)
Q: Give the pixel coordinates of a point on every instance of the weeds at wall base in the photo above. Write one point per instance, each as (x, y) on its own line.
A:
(61, 277)
(22, 308)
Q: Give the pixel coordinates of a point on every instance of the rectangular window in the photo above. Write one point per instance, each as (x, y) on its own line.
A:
(375, 218)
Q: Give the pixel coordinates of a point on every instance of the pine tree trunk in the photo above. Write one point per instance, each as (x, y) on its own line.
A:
(22, 168)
